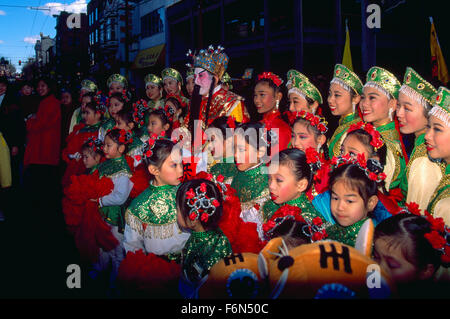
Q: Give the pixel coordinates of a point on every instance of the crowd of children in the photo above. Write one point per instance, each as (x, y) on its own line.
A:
(157, 200)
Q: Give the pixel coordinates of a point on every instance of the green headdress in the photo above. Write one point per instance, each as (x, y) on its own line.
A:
(299, 83)
(441, 105)
(152, 78)
(88, 85)
(117, 78)
(226, 79)
(417, 88)
(189, 73)
(384, 81)
(171, 73)
(347, 79)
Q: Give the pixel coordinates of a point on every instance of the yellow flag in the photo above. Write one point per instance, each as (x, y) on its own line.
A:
(438, 67)
(347, 58)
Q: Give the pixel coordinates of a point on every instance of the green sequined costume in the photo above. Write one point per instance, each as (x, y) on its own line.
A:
(253, 191)
(251, 186)
(346, 235)
(227, 169)
(151, 222)
(302, 202)
(113, 168)
(395, 162)
(334, 145)
(202, 251)
(135, 148)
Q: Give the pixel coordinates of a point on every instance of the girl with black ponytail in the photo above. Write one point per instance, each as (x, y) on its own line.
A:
(290, 177)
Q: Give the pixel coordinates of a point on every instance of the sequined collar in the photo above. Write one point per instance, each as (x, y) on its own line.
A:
(160, 188)
(114, 166)
(347, 118)
(203, 234)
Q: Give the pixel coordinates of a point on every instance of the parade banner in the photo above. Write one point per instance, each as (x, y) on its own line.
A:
(438, 67)
(347, 58)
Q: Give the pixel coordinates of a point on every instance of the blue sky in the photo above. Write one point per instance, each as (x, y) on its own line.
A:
(21, 26)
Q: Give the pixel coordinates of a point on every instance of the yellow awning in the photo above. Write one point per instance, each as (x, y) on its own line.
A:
(147, 57)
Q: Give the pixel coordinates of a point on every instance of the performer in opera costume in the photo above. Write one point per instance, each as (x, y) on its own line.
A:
(209, 67)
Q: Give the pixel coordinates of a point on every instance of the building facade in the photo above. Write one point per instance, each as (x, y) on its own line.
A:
(148, 52)
(104, 38)
(43, 50)
(71, 45)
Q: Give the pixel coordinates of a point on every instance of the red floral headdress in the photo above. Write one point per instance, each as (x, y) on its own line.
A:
(439, 235)
(125, 137)
(314, 159)
(169, 111)
(219, 180)
(315, 230)
(372, 167)
(201, 205)
(98, 97)
(147, 149)
(377, 140)
(124, 96)
(176, 97)
(95, 143)
(271, 76)
(317, 121)
(139, 109)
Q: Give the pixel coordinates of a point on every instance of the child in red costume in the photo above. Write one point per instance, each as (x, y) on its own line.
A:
(92, 116)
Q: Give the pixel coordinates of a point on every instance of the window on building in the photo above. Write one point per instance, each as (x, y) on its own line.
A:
(110, 30)
(240, 23)
(152, 23)
(101, 33)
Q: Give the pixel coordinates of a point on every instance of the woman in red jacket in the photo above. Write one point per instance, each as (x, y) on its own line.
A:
(42, 152)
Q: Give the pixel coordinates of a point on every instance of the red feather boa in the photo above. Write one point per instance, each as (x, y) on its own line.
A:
(390, 202)
(140, 180)
(243, 236)
(83, 219)
(149, 274)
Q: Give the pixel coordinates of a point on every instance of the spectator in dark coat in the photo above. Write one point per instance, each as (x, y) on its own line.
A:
(12, 127)
(28, 101)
